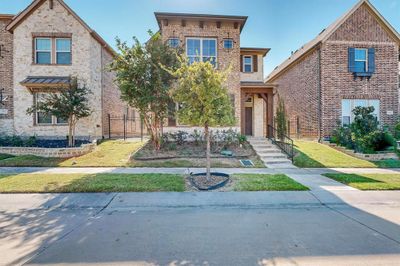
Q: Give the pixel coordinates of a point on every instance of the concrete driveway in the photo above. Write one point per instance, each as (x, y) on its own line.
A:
(243, 228)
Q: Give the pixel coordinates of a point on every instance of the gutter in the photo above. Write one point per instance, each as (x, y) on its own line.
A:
(319, 91)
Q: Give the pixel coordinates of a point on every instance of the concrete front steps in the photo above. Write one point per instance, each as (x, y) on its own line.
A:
(269, 153)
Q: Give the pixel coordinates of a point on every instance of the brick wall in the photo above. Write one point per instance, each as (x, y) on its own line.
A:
(225, 57)
(361, 30)
(6, 73)
(298, 87)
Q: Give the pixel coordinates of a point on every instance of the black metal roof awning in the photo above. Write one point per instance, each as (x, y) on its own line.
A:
(46, 82)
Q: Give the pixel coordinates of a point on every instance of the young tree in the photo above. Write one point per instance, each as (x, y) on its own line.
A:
(280, 119)
(203, 99)
(70, 104)
(143, 83)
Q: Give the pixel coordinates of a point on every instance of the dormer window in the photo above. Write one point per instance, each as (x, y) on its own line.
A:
(247, 64)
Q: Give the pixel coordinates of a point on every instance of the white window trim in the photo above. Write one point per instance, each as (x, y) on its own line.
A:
(352, 106)
(47, 51)
(366, 57)
(57, 51)
(201, 48)
(251, 63)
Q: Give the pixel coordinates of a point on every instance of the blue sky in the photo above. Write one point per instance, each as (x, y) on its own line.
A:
(282, 25)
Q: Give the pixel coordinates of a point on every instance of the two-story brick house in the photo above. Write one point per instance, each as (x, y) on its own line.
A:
(353, 62)
(45, 45)
(216, 38)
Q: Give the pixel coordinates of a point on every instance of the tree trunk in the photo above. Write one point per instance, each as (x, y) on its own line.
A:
(70, 132)
(208, 161)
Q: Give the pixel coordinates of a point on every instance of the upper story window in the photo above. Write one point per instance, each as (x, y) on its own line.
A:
(46, 47)
(228, 43)
(43, 51)
(63, 51)
(247, 64)
(362, 61)
(203, 49)
(173, 42)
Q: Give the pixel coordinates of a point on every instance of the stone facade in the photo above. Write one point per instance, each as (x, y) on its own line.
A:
(225, 57)
(6, 76)
(256, 75)
(315, 84)
(90, 57)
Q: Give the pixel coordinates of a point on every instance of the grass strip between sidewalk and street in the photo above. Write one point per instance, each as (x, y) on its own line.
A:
(265, 182)
(368, 181)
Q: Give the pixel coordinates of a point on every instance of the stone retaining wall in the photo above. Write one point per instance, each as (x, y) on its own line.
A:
(370, 157)
(50, 152)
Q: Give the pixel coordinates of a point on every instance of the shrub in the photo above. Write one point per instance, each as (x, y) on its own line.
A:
(343, 137)
(179, 137)
(197, 137)
(377, 140)
(241, 138)
(364, 121)
(397, 131)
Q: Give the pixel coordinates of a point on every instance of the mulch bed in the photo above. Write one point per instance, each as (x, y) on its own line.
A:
(215, 181)
(190, 150)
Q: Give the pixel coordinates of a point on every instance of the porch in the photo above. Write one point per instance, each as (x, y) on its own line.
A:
(256, 108)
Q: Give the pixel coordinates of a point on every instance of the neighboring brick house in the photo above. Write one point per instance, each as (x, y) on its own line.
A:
(353, 62)
(6, 90)
(52, 43)
(217, 38)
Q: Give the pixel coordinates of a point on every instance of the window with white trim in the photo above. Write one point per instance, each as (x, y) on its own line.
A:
(43, 51)
(204, 49)
(173, 42)
(247, 64)
(228, 43)
(348, 106)
(361, 60)
(43, 118)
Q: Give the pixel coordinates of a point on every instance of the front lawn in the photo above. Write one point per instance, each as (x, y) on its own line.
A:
(265, 182)
(40, 183)
(369, 181)
(311, 154)
(110, 153)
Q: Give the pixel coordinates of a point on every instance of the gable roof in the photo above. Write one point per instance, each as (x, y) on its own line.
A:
(166, 15)
(258, 50)
(6, 16)
(326, 33)
(18, 19)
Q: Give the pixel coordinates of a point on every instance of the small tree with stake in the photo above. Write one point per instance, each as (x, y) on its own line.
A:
(70, 104)
(203, 99)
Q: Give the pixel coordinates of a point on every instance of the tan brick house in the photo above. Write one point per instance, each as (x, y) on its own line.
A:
(217, 38)
(353, 62)
(46, 44)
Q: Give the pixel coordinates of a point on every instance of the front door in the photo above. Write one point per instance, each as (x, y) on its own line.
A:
(248, 120)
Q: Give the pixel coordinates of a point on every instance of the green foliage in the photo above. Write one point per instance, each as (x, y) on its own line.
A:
(397, 131)
(241, 138)
(17, 141)
(143, 83)
(342, 136)
(280, 118)
(69, 104)
(364, 121)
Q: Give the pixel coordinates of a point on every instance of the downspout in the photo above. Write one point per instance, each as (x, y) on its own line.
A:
(319, 91)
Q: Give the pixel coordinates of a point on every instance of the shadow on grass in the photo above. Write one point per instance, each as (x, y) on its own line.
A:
(304, 161)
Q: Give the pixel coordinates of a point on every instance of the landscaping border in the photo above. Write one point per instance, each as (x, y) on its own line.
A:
(369, 157)
(50, 152)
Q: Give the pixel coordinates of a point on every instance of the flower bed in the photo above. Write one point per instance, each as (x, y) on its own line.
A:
(381, 155)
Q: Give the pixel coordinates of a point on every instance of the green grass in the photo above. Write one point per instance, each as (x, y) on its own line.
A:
(5, 156)
(40, 183)
(112, 153)
(389, 163)
(265, 182)
(369, 181)
(312, 154)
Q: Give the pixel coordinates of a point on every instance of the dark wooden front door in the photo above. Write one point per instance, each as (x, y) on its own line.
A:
(248, 120)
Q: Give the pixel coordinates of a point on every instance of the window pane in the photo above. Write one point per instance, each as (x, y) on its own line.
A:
(360, 54)
(210, 59)
(43, 44)
(173, 42)
(42, 118)
(360, 66)
(61, 121)
(63, 45)
(228, 44)
(193, 47)
(346, 120)
(346, 108)
(247, 68)
(247, 60)
(43, 58)
(209, 47)
(375, 104)
(194, 59)
(63, 58)
(362, 103)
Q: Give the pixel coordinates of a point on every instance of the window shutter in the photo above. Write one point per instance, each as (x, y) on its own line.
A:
(371, 60)
(255, 63)
(351, 57)
(241, 63)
